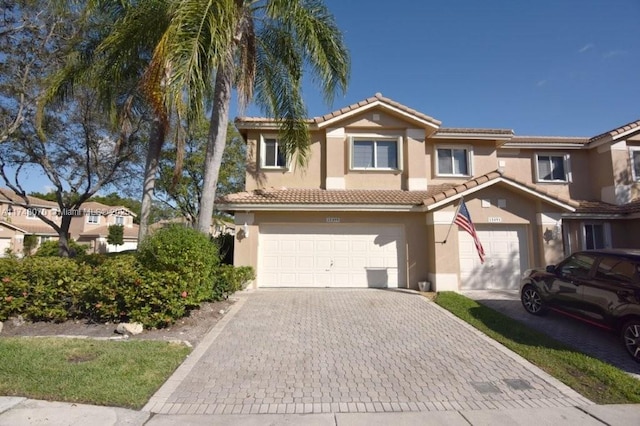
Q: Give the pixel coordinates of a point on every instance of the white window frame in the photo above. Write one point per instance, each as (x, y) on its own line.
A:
(606, 229)
(632, 150)
(263, 152)
(565, 163)
(91, 215)
(469, 157)
(376, 138)
(121, 218)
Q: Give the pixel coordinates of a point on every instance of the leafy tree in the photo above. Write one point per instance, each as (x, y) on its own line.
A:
(183, 192)
(32, 38)
(261, 47)
(78, 152)
(116, 235)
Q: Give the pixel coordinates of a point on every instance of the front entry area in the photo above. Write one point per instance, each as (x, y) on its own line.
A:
(507, 254)
(332, 255)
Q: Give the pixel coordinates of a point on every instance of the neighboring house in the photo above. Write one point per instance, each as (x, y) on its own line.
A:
(16, 221)
(374, 206)
(89, 227)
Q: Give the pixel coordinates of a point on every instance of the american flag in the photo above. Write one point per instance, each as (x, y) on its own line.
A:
(463, 220)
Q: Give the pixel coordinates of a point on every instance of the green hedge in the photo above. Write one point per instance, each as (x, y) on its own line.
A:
(174, 272)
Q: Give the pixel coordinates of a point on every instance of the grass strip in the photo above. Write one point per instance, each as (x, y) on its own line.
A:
(594, 379)
(99, 372)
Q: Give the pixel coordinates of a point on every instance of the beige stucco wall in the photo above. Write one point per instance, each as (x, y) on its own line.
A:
(483, 159)
(293, 177)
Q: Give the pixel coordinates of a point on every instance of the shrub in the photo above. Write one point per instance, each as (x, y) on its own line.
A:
(50, 249)
(29, 243)
(46, 289)
(230, 279)
(187, 253)
(124, 290)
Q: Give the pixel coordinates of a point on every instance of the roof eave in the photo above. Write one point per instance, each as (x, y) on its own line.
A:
(319, 207)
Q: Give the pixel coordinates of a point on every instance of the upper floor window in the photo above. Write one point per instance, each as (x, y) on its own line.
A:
(375, 154)
(552, 168)
(119, 220)
(635, 162)
(32, 212)
(272, 154)
(453, 161)
(93, 218)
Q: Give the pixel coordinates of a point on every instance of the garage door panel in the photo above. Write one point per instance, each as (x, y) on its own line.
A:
(329, 256)
(506, 250)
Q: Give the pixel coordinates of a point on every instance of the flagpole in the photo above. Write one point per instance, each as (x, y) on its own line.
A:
(452, 222)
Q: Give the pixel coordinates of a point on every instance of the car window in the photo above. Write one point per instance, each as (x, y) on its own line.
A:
(618, 270)
(577, 266)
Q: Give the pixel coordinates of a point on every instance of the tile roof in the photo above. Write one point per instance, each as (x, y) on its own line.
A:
(471, 130)
(371, 100)
(599, 207)
(617, 131)
(10, 197)
(332, 196)
(549, 140)
(434, 194)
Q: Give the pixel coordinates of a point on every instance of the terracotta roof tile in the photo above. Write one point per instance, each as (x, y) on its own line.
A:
(7, 196)
(549, 140)
(331, 197)
(615, 132)
(471, 130)
(599, 207)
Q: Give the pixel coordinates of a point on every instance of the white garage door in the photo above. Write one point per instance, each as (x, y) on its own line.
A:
(128, 245)
(331, 256)
(506, 257)
(5, 243)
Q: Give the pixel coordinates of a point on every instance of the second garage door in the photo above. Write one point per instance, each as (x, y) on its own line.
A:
(331, 256)
(507, 255)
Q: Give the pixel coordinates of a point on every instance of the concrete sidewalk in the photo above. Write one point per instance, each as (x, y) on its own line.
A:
(22, 412)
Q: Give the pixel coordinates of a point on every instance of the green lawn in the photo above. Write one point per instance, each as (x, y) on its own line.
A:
(594, 379)
(115, 373)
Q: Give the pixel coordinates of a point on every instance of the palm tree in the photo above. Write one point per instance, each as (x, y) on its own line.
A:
(261, 48)
(116, 62)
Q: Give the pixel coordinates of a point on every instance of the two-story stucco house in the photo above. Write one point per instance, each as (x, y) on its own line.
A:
(375, 206)
(89, 226)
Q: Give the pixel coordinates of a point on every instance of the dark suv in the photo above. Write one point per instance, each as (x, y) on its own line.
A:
(601, 287)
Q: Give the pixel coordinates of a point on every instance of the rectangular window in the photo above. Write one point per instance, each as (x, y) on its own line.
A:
(552, 168)
(635, 163)
(453, 161)
(375, 154)
(119, 220)
(594, 235)
(93, 218)
(618, 270)
(273, 154)
(32, 213)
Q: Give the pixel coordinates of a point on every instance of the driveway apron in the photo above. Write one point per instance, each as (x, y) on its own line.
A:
(364, 350)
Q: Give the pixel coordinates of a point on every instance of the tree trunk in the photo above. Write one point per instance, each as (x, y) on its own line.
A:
(216, 142)
(156, 141)
(63, 236)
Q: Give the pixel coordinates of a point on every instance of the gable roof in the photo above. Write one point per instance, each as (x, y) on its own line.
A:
(376, 101)
(614, 134)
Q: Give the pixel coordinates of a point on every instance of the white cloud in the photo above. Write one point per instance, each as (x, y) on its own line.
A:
(586, 47)
(541, 83)
(614, 53)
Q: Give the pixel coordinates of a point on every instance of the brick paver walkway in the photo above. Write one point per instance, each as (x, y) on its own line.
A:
(330, 350)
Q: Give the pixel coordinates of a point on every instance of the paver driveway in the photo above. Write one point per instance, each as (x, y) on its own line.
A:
(330, 350)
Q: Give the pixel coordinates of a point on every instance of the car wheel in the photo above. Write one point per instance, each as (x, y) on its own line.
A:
(630, 334)
(532, 301)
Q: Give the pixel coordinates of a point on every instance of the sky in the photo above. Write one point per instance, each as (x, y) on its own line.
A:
(542, 67)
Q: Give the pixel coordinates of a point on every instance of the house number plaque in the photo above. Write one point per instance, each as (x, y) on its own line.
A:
(333, 220)
(494, 219)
